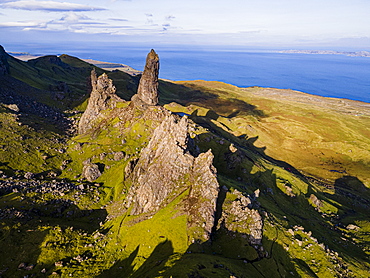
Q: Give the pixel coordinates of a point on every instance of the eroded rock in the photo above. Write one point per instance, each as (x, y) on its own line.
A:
(103, 96)
(166, 169)
(239, 216)
(147, 93)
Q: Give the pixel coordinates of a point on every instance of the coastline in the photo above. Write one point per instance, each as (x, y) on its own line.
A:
(318, 99)
(327, 52)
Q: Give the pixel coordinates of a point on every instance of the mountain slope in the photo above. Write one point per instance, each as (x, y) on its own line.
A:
(249, 183)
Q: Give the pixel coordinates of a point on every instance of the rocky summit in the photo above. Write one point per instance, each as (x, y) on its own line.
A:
(105, 174)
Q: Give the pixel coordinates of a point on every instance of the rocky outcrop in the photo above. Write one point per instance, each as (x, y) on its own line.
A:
(238, 216)
(166, 169)
(4, 66)
(103, 96)
(91, 172)
(147, 93)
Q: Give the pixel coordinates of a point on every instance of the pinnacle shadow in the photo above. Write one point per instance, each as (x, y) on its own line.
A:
(152, 266)
(204, 97)
(297, 209)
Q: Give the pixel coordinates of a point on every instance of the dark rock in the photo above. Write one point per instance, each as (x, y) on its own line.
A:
(130, 167)
(4, 66)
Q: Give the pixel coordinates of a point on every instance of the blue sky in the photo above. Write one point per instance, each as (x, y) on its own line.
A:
(270, 23)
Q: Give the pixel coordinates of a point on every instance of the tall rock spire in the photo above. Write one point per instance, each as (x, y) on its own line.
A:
(148, 87)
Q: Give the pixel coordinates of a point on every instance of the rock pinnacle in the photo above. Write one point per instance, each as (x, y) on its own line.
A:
(148, 86)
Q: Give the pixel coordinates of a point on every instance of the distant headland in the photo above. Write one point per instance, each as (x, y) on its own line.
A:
(329, 52)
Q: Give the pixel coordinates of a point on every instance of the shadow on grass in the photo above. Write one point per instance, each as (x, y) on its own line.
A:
(238, 165)
(25, 223)
(229, 253)
(205, 97)
(152, 266)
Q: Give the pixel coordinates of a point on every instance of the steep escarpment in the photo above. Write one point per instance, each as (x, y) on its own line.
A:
(4, 66)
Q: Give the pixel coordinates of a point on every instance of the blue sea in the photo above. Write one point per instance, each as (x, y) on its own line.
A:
(337, 76)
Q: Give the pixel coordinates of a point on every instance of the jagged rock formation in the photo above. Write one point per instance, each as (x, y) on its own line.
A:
(103, 96)
(147, 93)
(167, 169)
(4, 66)
(240, 217)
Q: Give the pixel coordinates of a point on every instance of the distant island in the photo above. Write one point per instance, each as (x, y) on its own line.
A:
(331, 52)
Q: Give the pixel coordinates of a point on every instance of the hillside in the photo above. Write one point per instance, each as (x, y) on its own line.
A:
(104, 174)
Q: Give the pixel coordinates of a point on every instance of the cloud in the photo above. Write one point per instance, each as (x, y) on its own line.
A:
(117, 19)
(23, 24)
(73, 17)
(49, 6)
(170, 17)
(149, 19)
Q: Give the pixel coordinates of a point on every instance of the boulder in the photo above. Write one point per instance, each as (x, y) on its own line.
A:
(91, 172)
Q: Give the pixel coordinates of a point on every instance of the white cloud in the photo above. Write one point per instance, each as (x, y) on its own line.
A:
(49, 6)
(73, 17)
(117, 19)
(170, 17)
(23, 24)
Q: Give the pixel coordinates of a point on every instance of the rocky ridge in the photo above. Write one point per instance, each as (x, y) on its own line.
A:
(170, 164)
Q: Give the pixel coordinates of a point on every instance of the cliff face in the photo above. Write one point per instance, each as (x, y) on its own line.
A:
(4, 66)
(166, 169)
(103, 96)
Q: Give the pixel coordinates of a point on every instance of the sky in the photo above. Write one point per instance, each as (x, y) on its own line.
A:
(264, 23)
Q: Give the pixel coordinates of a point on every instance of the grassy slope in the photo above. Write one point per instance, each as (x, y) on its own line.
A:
(47, 73)
(319, 140)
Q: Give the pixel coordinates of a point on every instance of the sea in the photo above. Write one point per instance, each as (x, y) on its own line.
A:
(329, 75)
